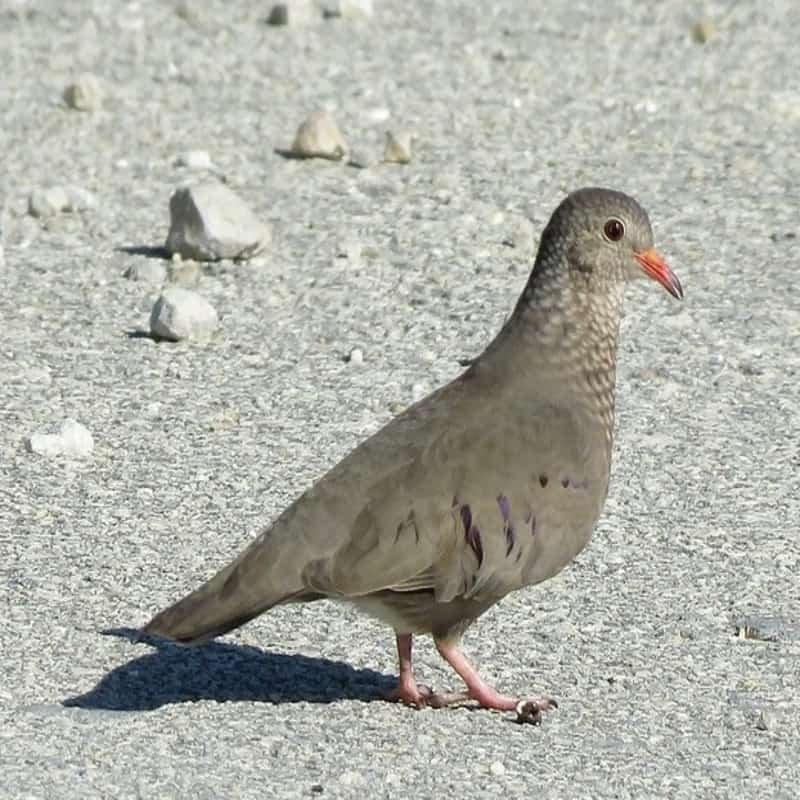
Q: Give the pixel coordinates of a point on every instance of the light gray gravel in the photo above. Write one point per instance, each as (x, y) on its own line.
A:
(198, 445)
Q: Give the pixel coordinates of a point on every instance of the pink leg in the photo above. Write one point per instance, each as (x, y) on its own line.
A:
(528, 709)
(407, 690)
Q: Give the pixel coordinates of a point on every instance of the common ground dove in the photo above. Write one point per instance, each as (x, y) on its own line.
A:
(491, 483)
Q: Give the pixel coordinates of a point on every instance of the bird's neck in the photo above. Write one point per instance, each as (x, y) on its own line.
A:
(563, 333)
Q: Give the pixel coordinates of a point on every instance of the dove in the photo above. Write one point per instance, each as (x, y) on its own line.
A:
(492, 483)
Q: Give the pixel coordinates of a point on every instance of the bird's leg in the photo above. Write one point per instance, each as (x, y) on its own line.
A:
(528, 709)
(407, 690)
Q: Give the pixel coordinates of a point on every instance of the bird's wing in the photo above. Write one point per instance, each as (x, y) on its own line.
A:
(458, 515)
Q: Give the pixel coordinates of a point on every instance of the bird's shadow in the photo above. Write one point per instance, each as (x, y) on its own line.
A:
(148, 251)
(225, 673)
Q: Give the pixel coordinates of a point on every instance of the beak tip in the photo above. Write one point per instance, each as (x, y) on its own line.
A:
(654, 266)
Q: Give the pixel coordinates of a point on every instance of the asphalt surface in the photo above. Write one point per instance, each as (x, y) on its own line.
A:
(197, 446)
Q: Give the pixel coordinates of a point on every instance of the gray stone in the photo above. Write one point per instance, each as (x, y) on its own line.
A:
(48, 202)
(194, 159)
(349, 8)
(85, 94)
(209, 222)
(397, 149)
(53, 200)
(292, 12)
(319, 137)
(182, 314)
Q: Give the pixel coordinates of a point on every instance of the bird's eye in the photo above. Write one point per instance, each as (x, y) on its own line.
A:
(614, 230)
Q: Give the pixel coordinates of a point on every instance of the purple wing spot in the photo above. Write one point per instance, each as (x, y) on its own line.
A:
(505, 508)
(508, 528)
(466, 518)
(471, 533)
(509, 538)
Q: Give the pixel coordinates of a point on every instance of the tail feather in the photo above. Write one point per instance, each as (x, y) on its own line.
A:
(234, 596)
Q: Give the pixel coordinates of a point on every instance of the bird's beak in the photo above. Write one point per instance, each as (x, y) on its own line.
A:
(654, 266)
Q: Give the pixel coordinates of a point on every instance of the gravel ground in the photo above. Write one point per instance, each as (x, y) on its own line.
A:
(197, 445)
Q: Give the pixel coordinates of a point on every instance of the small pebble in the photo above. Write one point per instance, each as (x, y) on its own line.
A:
(57, 199)
(356, 356)
(48, 202)
(349, 8)
(349, 249)
(648, 106)
(377, 115)
(397, 149)
(182, 314)
(149, 271)
(79, 199)
(73, 439)
(85, 94)
(765, 720)
(194, 159)
(521, 235)
(351, 778)
(497, 768)
(209, 222)
(292, 12)
(418, 391)
(319, 137)
(702, 31)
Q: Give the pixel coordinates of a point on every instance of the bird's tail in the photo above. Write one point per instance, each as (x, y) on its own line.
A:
(235, 595)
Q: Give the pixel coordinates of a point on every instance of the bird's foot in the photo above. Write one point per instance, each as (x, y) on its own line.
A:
(444, 699)
(410, 693)
(529, 709)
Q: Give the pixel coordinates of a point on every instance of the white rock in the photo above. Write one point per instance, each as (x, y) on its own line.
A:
(356, 356)
(377, 115)
(765, 720)
(56, 199)
(48, 202)
(349, 8)
(85, 94)
(292, 12)
(350, 249)
(521, 234)
(351, 778)
(418, 391)
(209, 222)
(182, 314)
(79, 199)
(72, 440)
(319, 137)
(398, 147)
(194, 159)
(497, 768)
(148, 271)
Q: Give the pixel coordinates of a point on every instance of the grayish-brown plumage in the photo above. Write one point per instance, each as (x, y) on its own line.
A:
(492, 483)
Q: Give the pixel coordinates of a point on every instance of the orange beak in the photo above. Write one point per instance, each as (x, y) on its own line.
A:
(654, 266)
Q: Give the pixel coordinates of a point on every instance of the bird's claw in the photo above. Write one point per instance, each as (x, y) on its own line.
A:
(416, 696)
(529, 711)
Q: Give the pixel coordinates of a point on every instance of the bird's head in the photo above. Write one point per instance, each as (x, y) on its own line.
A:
(606, 238)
